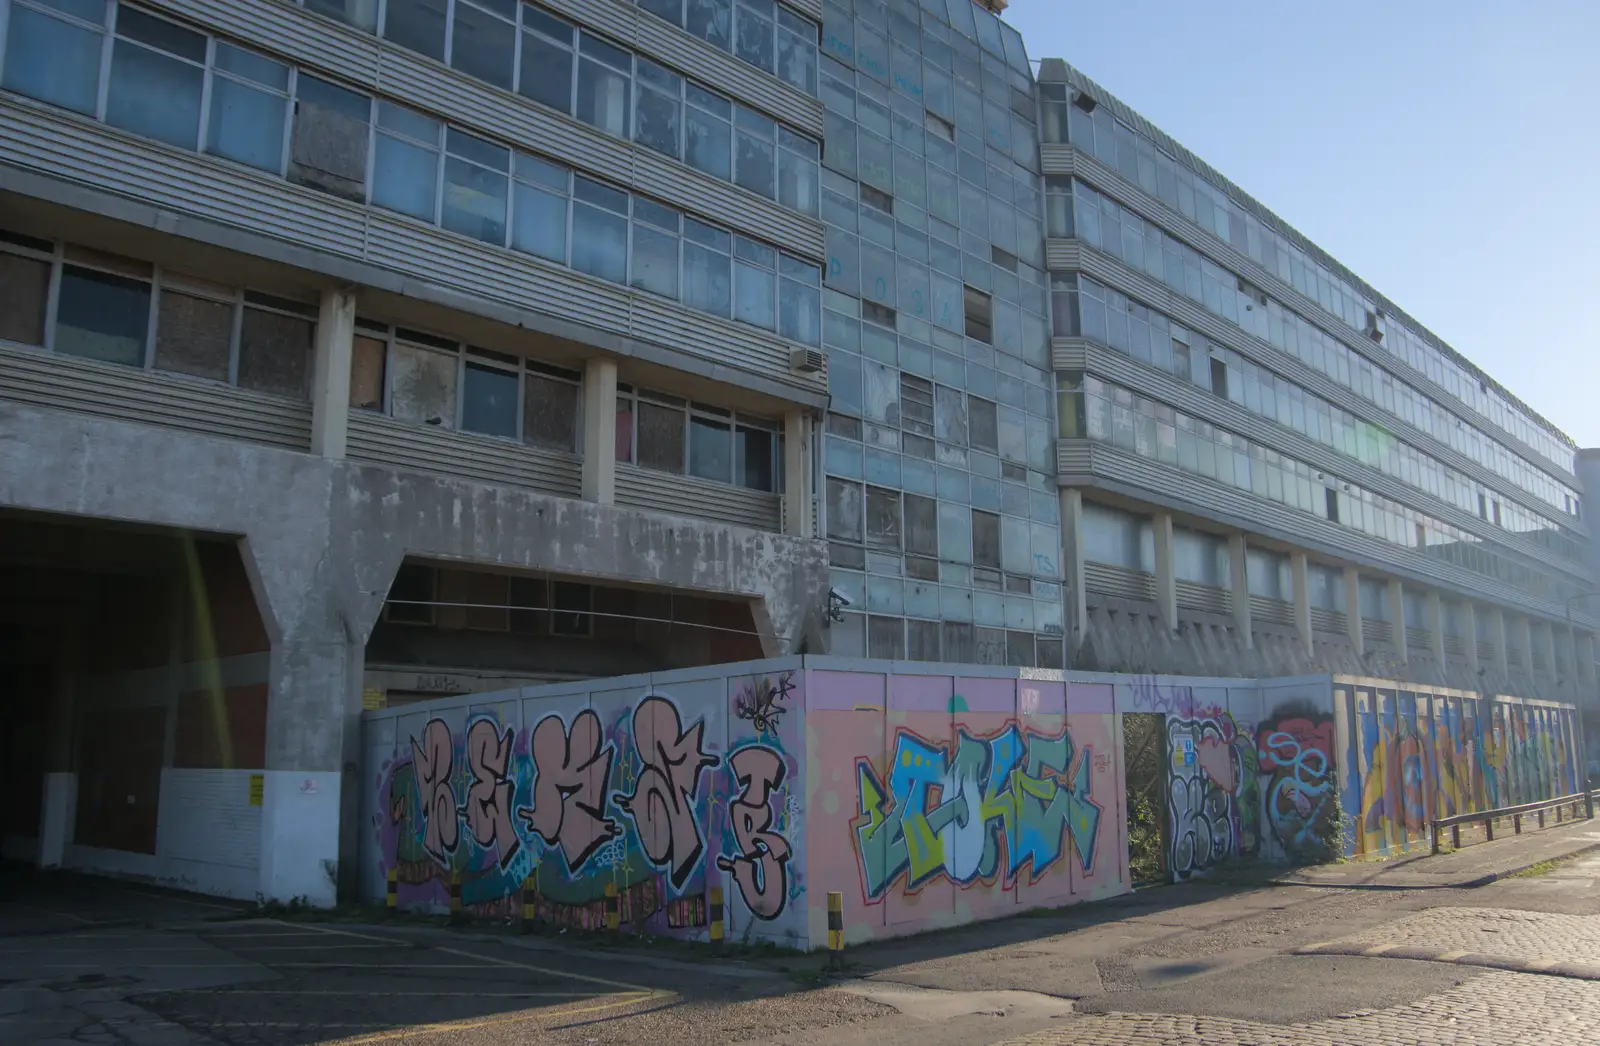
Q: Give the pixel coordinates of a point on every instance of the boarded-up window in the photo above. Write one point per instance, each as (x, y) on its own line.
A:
(958, 644)
(922, 640)
(275, 353)
(985, 539)
(985, 426)
(194, 335)
(329, 146)
(916, 404)
(989, 646)
(224, 730)
(367, 361)
(844, 510)
(921, 525)
(1019, 649)
(24, 283)
(424, 386)
(886, 637)
(550, 412)
(661, 437)
(883, 518)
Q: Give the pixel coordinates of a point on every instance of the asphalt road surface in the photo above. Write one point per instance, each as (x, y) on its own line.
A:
(1516, 961)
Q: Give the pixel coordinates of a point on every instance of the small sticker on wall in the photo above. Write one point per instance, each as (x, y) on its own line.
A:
(258, 783)
(308, 787)
(371, 698)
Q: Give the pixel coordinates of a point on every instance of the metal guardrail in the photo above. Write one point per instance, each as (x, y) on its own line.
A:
(1489, 817)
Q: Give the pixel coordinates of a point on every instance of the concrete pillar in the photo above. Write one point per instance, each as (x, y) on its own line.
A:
(1352, 611)
(1072, 567)
(1469, 628)
(600, 431)
(1166, 576)
(1301, 571)
(799, 492)
(1239, 588)
(1547, 639)
(1522, 628)
(330, 377)
(1436, 628)
(1397, 619)
(1583, 654)
(58, 807)
(1497, 638)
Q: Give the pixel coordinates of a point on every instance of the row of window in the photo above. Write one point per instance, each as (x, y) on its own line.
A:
(1100, 411)
(429, 380)
(930, 532)
(1141, 162)
(1086, 308)
(769, 36)
(480, 601)
(952, 642)
(237, 104)
(1100, 222)
(194, 91)
(103, 307)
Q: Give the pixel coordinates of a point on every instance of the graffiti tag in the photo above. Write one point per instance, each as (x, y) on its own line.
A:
(1005, 801)
(761, 870)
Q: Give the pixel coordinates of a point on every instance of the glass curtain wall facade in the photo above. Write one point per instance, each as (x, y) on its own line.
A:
(939, 499)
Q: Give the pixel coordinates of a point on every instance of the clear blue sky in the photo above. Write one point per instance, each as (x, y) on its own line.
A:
(1447, 153)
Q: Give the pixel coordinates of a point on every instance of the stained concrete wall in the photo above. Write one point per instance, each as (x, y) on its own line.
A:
(322, 541)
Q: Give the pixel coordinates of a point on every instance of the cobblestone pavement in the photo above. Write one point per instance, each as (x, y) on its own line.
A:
(1500, 938)
(1492, 1009)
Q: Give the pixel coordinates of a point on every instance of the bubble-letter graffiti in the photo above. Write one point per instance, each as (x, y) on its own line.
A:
(761, 870)
(488, 809)
(662, 803)
(571, 771)
(433, 759)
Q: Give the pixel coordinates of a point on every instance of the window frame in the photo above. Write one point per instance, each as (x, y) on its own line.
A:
(691, 409)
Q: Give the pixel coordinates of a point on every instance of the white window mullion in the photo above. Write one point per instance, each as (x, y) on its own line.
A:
(293, 85)
(236, 337)
(449, 29)
(107, 42)
(150, 320)
(372, 146)
(207, 72)
(53, 299)
(438, 180)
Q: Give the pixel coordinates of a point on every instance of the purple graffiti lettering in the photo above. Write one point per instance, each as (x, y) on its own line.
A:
(433, 759)
(571, 771)
(761, 870)
(488, 809)
(662, 803)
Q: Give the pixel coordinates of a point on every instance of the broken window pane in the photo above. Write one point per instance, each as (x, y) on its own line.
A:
(949, 415)
(921, 526)
(1050, 652)
(424, 386)
(1013, 434)
(550, 414)
(661, 437)
(844, 510)
(710, 449)
(979, 315)
(275, 353)
(328, 149)
(24, 284)
(883, 518)
(194, 335)
(367, 358)
(916, 404)
(984, 424)
(102, 317)
(883, 393)
(985, 539)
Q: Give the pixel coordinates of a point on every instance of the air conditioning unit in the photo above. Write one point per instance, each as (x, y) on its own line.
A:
(1084, 101)
(807, 361)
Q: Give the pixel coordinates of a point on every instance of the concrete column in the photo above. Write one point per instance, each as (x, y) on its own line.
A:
(1436, 628)
(1469, 625)
(1397, 618)
(330, 378)
(1547, 638)
(600, 431)
(1072, 567)
(799, 442)
(1166, 577)
(1352, 611)
(1239, 587)
(1583, 654)
(59, 805)
(1301, 572)
(1523, 629)
(1497, 638)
